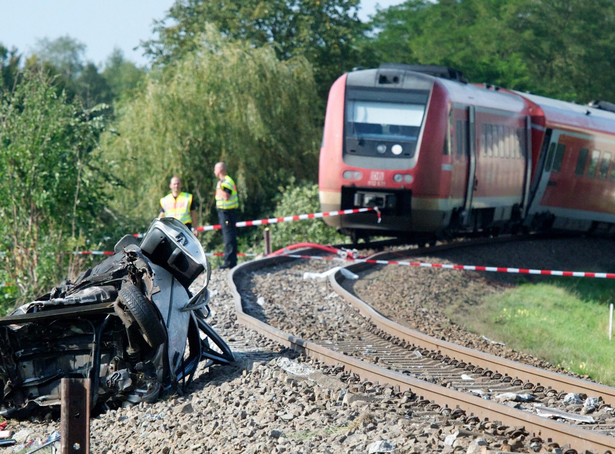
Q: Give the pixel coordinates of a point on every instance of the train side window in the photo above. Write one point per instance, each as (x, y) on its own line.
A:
(581, 161)
(502, 141)
(604, 165)
(593, 164)
(559, 157)
(520, 142)
(549, 161)
(496, 142)
(459, 135)
(464, 138)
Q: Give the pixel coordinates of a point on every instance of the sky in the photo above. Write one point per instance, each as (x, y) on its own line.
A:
(101, 25)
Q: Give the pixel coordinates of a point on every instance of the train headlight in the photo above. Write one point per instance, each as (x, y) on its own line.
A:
(398, 177)
(397, 149)
(352, 175)
(381, 148)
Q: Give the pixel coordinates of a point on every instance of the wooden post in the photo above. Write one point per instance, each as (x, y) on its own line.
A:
(75, 416)
(267, 241)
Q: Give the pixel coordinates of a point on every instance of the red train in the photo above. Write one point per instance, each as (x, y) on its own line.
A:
(439, 157)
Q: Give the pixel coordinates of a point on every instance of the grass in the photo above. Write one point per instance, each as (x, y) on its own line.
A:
(564, 321)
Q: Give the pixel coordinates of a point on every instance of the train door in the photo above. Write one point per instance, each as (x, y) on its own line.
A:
(463, 163)
(471, 187)
(465, 218)
(543, 173)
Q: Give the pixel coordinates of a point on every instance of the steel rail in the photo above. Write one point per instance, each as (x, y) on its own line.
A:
(548, 379)
(579, 439)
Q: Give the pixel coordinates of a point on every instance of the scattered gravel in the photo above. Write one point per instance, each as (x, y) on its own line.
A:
(273, 401)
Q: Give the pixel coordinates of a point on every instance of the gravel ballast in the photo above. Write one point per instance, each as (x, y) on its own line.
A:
(274, 401)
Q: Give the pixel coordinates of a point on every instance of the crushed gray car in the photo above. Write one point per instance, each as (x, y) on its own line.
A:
(130, 324)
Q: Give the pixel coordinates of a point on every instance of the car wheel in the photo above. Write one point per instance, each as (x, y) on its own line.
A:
(145, 313)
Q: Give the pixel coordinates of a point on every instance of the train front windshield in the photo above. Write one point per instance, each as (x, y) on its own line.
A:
(383, 123)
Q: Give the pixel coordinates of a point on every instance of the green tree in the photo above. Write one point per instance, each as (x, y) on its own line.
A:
(65, 57)
(474, 36)
(227, 101)
(568, 46)
(122, 76)
(51, 187)
(9, 68)
(558, 48)
(325, 31)
(65, 53)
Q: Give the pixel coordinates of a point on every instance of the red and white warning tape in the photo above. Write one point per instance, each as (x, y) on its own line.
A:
(298, 217)
(493, 269)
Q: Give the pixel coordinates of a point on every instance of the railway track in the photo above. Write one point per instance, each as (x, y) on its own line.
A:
(442, 377)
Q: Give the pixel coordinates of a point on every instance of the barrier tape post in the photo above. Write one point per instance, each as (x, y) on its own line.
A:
(267, 241)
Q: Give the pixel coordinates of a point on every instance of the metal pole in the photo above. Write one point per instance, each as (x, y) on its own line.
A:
(75, 416)
(610, 321)
(267, 241)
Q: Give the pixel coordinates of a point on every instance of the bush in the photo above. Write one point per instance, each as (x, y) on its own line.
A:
(301, 199)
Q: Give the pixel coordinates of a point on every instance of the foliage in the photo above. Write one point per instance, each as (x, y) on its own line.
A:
(64, 58)
(324, 31)
(539, 46)
(122, 76)
(227, 101)
(52, 180)
(548, 319)
(301, 199)
(65, 53)
(9, 68)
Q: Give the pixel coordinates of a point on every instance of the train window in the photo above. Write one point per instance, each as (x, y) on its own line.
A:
(459, 136)
(502, 142)
(559, 157)
(448, 143)
(581, 161)
(593, 164)
(604, 165)
(549, 161)
(520, 142)
(496, 141)
(489, 140)
(464, 139)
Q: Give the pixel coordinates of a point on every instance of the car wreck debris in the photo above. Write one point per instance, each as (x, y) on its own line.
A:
(130, 324)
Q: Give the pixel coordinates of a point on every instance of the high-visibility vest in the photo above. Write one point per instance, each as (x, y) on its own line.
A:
(178, 208)
(233, 200)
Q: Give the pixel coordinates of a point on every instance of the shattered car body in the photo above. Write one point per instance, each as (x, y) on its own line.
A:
(130, 324)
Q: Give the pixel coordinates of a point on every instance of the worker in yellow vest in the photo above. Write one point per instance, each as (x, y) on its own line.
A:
(179, 205)
(227, 203)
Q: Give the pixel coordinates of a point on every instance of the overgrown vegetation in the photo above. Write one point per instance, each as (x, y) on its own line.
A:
(246, 83)
(52, 181)
(227, 101)
(564, 321)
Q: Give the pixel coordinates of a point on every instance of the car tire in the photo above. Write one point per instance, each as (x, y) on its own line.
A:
(145, 314)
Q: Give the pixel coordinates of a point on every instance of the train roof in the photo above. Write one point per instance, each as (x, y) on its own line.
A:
(481, 96)
(399, 76)
(576, 116)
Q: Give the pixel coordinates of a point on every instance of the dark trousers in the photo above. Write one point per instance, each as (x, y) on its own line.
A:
(227, 219)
